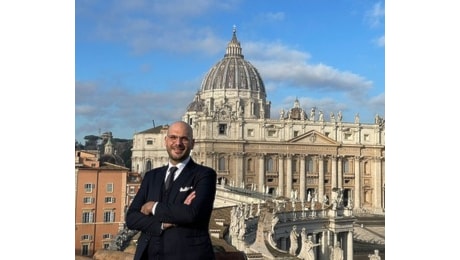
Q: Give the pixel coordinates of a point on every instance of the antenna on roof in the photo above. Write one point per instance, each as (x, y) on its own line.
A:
(153, 121)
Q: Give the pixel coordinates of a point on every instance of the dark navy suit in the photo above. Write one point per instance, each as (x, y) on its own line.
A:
(190, 238)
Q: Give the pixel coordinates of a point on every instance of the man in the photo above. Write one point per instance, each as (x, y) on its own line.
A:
(175, 221)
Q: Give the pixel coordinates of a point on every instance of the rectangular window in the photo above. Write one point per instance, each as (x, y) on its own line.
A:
(106, 236)
(109, 188)
(106, 245)
(296, 133)
(366, 137)
(86, 237)
(89, 187)
(250, 132)
(327, 134)
(149, 142)
(222, 129)
(109, 199)
(109, 216)
(87, 217)
(88, 200)
(271, 133)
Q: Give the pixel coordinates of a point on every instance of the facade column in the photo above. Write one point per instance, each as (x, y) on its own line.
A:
(289, 175)
(349, 251)
(210, 159)
(239, 169)
(281, 175)
(321, 178)
(357, 193)
(334, 171)
(378, 185)
(340, 172)
(324, 246)
(302, 177)
(261, 172)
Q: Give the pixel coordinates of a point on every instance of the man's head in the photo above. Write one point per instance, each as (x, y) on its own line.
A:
(179, 141)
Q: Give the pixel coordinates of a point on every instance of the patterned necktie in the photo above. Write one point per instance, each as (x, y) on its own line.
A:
(170, 178)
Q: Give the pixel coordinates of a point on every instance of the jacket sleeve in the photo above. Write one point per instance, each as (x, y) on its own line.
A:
(135, 219)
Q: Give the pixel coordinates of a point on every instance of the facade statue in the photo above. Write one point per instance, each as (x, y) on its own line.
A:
(303, 236)
(336, 252)
(377, 119)
(308, 252)
(375, 256)
(293, 237)
(357, 118)
(275, 220)
(242, 230)
(312, 114)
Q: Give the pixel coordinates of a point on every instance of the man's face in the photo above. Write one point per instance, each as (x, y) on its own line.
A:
(179, 142)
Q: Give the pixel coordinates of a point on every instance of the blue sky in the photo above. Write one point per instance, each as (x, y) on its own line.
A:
(140, 60)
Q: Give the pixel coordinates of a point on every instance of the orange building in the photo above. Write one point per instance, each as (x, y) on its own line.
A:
(103, 193)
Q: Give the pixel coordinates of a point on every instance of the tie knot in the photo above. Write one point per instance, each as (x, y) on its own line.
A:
(172, 170)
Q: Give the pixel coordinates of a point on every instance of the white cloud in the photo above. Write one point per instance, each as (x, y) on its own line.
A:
(380, 42)
(281, 64)
(376, 15)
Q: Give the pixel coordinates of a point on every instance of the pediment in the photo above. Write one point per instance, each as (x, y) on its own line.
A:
(313, 137)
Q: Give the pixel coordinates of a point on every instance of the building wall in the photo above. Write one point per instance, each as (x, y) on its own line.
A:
(343, 155)
(104, 209)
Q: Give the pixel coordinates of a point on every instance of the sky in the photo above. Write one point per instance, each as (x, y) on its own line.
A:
(139, 63)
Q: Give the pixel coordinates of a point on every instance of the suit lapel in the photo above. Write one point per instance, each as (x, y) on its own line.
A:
(158, 182)
(180, 182)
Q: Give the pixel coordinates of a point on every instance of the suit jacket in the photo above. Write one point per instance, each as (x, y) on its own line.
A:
(190, 239)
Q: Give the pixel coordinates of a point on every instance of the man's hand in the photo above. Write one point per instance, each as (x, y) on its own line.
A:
(187, 201)
(147, 207)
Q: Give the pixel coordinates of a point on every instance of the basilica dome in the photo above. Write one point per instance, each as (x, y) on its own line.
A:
(233, 72)
(232, 88)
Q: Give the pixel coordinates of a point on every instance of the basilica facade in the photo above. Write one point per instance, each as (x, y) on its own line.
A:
(306, 153)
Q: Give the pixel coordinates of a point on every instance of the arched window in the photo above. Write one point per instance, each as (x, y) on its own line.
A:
(221, 166)
(270, 164)
(346, 166)
(309, 165)
(250, 165)
(294, 165)
(148, 166)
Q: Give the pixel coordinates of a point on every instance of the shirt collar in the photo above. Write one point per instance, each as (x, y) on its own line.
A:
(180, 165)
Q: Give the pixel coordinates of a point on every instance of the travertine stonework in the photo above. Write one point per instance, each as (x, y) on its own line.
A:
(301, 151)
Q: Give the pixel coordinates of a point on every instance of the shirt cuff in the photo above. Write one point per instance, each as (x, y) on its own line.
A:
(153, 210)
